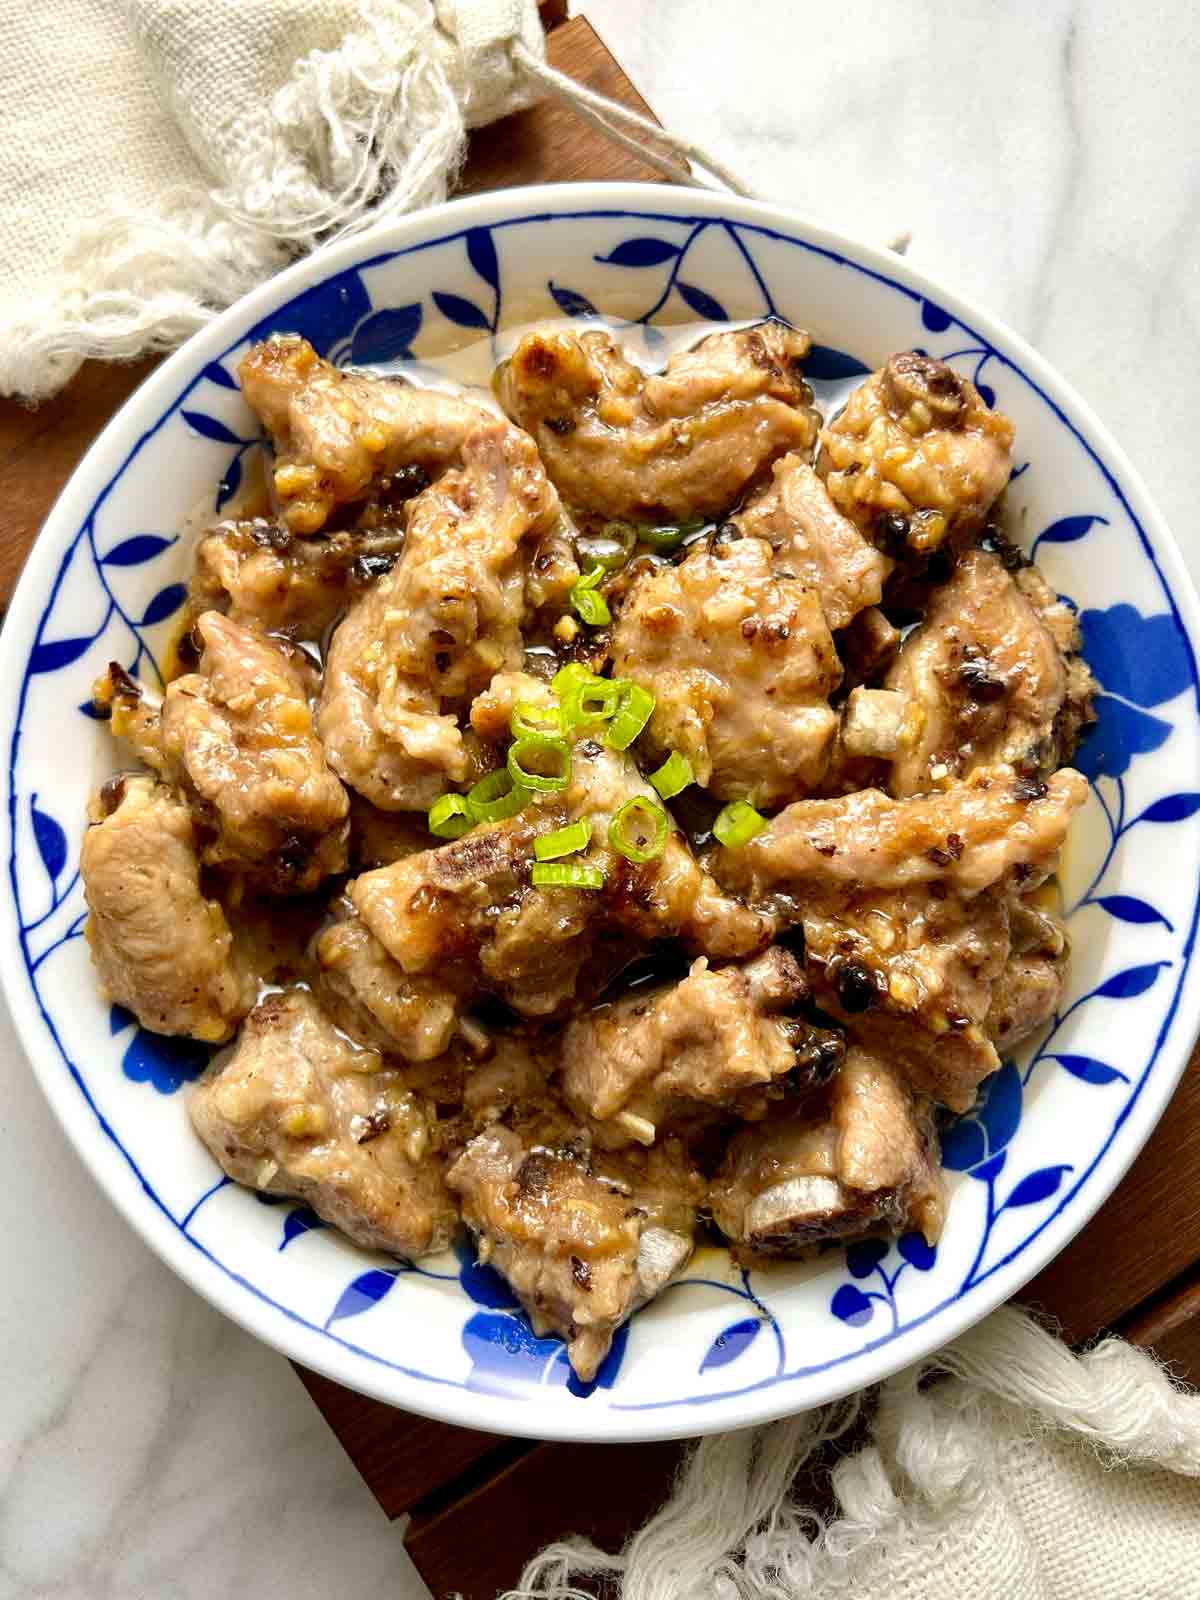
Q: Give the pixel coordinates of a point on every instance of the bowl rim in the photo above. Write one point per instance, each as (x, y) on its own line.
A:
(543, 1417)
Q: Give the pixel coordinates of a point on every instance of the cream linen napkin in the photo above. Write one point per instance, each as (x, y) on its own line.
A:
(160, 157)
(1025, 1473)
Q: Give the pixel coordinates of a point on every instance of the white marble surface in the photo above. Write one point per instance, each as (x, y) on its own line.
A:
(1045, 160)
(150, 1450)
(1043, 155)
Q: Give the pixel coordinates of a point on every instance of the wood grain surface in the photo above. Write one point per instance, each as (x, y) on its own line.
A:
(476, 1544)
(1146, 1235)
(39, 450)
(481, 1504)
(405, 1459)
(1170, 1327)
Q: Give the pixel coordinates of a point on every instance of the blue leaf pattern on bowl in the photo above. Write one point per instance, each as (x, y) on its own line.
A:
(832, 366)
(1171, 808)
(59, 653)
(133, 551)
(1088, 1070)
(1128, 908)
(456, 308)
(324, 315)
(481, 253)
(640, 253)
(164, 604)
(569, 302)
(299, 1221)
(210, 427)
(1066, 531)
(1141, 659)
(49, 838)
(363, 1292)
(1037, 1186)
(731, 1342)
(165, 1064)
(386, 336)
(702, 303)
(216, 373)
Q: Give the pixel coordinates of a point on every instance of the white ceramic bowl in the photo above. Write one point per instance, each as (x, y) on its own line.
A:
(1055, 1129)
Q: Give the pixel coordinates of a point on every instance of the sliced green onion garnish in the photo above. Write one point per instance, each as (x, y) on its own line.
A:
(539, 747)
(639, 830)
(573, 672)
(673, 776)
(450, 817)
(611, 548)
(566, 875)
(566, 841)
(633, 714)
(530, 720)
(669, 536)
(591, 606)
(590, 699)
(496, 797)
(737, 823)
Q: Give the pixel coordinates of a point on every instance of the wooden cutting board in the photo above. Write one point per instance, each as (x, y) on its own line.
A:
(481, 1505)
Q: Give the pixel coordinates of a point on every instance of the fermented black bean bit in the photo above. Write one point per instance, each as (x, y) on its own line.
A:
(365, 568)
(293, 855)
(980, 684)
(996, 543)
(893, 535)
(269, 535)
(408, 481)
(856, 987)
(377, 1123)
(582, 1274)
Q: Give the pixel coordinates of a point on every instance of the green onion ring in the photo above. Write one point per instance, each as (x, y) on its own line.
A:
(450, 817)
(591, 700)
(673, 776)
(540, 745)
(566, 841)
(611, 548)
(566, 875)
(632, 715)
(624, 821)
(525, 723)
(669, 536)
(737, 823)
(496, 797)
(573, 672)
(592, 607)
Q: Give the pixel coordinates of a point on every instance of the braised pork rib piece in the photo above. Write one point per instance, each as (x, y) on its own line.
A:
(672, 445)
